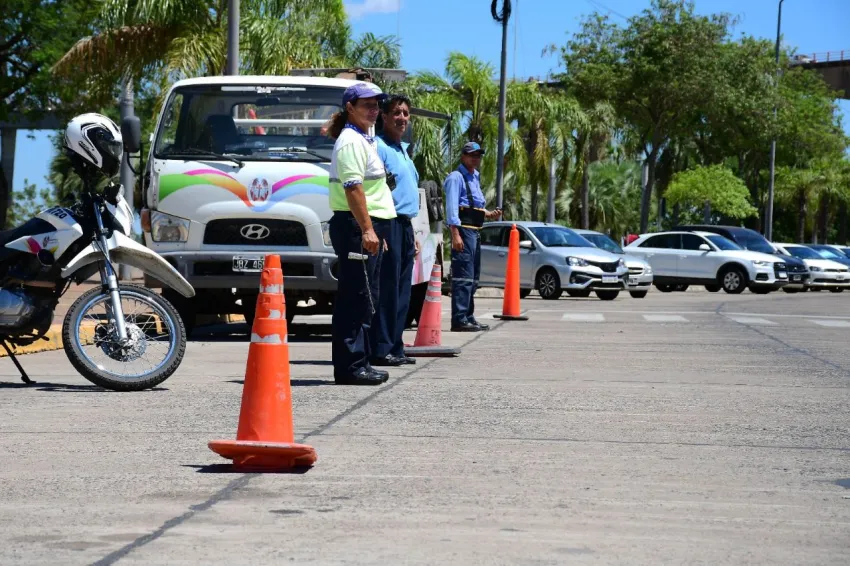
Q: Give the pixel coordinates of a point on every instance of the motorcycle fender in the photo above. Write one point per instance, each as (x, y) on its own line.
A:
(127, 251)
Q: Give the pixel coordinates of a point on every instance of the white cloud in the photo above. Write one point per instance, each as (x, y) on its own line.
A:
(366, 7)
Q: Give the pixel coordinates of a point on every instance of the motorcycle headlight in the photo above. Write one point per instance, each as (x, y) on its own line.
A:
(576, 262)
(167, 228)
(759, 263)
(326, 234)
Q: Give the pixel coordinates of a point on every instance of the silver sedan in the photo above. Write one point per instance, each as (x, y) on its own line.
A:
(640, 272)
(553, 259)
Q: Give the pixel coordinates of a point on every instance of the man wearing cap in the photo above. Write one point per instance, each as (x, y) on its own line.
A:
(397, 263)
(363, 209)
(465, 214)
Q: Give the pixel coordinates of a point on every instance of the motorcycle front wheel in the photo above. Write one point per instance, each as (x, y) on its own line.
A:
(154, 348)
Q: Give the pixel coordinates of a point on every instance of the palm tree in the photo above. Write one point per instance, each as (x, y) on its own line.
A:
(798, 187)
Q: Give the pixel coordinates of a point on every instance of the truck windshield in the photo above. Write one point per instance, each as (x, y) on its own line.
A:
(251, 122)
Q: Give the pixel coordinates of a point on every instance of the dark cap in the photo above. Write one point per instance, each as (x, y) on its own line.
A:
(472, 147)
(362, 90)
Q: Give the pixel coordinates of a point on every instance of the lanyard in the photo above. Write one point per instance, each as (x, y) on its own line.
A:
(366, 136)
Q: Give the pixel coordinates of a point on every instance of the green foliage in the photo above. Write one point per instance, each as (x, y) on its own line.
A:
(716, 184)
(29, 201)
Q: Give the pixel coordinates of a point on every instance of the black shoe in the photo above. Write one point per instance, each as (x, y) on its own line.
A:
(466, 327)
(408, 360)
(481, 326)
(384, 375)
(388, 360)
(363, 376)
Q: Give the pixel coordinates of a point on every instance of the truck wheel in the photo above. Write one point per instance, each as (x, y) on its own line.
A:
(638, 294)
(607, 295)
(523, 293)
(712, 288)
(185, 307)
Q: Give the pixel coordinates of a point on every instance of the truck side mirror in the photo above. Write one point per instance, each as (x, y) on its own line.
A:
(131, 132)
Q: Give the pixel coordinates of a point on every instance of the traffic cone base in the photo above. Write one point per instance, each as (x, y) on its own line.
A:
(255, 455)
(509, 317)
(265, 439)
(429, 333)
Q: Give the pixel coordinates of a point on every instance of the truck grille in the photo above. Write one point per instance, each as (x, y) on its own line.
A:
(607, 267)
(231, 232)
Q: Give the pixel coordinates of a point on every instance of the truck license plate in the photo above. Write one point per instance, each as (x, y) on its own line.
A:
(247, 263)
(610, 279)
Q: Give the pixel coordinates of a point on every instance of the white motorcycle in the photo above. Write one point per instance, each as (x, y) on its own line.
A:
(120, 337)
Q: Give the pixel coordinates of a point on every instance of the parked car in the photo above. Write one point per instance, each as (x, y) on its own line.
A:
(828, 252)
(798, 273)
(845, 250)
(704, 258)
(552, 259)
(826, 274)
(640, 272)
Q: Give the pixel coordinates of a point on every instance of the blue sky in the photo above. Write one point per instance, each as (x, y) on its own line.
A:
(430, 29)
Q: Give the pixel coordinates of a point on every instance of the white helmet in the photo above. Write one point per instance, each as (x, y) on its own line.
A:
(96, 140)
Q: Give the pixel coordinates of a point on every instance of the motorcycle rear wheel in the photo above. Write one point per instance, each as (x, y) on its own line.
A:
(88, 335)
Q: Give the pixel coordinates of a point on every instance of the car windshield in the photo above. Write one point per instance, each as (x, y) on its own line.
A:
(846, 251)
(556, 236)
(723, 243)
(828, 253)
(604, 242)
(755, 242)
(252, 122)
(802, 252)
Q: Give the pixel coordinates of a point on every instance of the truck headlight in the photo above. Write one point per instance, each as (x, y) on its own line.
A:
(326, 234)
(648, 269)
(167, 228)
(759, 263)
(621, 263)
(576, 261)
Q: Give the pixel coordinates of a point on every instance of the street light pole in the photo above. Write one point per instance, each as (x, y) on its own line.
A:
(501, 17)
(768, 231)
(232, 37)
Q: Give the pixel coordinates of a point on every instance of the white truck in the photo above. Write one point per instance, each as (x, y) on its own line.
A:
(237, 169)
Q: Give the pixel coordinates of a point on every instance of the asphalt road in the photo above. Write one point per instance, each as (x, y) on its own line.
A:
(682, 428)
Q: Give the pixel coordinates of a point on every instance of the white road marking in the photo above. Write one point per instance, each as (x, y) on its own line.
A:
(664, 318)
(583, 317)
(751, 320)
(832, 323)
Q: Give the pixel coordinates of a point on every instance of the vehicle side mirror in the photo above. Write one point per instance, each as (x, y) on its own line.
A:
(526, 244)
(704, 248)
(131, 132)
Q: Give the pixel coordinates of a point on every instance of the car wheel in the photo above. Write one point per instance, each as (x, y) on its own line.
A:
(549, 284)
(638, 294)
(836, 290)
(681, 288)
(578, 293)
(665, 288)
(791, 290)
(760, 290)
(733, 280)
(712, 288)
(607, 295)
(815, 289)
(523, 293)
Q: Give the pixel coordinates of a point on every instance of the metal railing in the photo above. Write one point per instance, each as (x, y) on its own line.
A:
(824, 57)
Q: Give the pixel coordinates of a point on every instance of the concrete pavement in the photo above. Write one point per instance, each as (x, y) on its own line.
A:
(679, 428)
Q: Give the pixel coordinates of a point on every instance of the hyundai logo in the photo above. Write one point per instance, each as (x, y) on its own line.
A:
(254, 232)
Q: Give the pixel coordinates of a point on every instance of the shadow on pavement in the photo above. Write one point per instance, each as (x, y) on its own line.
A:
(66, 388)
(228, 469)
(239, 332)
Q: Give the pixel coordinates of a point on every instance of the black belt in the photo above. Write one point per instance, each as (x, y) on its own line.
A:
(404, 217)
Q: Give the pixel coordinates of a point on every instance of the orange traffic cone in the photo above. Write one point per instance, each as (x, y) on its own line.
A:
(510, 304)
(429, 334)
(265, 438)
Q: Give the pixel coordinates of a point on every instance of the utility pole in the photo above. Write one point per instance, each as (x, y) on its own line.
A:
(768, 220)
(125, 175)
(550, 213)
(232, 37)
(501, 17)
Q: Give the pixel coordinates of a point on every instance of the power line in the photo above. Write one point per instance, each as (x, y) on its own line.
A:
(597, 4)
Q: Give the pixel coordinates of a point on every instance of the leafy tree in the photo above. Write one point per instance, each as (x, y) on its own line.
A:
(29, 201)
(715, 184)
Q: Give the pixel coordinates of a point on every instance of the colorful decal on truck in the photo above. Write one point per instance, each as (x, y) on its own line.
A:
(259, 196)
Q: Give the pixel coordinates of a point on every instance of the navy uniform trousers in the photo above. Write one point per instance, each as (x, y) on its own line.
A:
(466, 270)
(396, 279)
(358, 293)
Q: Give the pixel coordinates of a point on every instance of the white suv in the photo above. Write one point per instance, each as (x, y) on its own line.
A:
(703, 258)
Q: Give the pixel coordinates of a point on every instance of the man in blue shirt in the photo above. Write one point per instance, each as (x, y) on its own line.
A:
(465, 214)
(397, 264)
